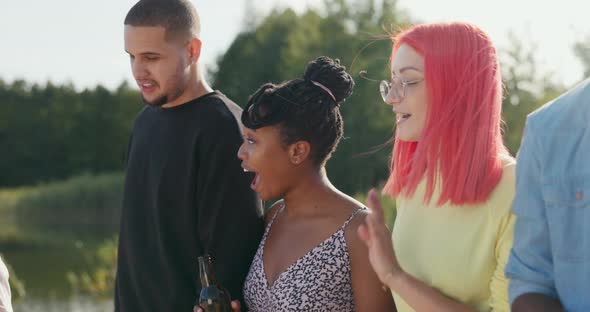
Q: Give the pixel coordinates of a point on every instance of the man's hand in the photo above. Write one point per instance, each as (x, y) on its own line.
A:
(235, 305)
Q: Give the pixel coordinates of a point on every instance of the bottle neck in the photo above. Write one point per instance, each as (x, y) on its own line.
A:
(206, 271)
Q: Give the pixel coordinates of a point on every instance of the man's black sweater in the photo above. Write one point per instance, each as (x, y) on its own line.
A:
(185, 195)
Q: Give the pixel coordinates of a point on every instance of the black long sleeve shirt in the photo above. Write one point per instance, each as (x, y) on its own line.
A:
(185, 195)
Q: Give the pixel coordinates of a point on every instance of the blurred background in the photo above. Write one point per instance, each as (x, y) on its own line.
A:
(68, 100)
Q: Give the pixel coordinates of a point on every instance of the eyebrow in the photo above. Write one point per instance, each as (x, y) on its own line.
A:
(145, 53)
(401, 70)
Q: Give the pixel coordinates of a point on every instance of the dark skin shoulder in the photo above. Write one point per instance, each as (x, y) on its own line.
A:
(291, 238)
(537, 303)
(369, 293)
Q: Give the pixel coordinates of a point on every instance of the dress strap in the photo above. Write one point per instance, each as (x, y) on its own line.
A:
(354, 213)
(274, 217)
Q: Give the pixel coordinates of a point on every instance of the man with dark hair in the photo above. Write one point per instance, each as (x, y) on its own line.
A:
(185, 191)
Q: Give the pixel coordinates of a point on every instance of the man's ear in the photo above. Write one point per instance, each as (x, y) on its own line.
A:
(194, 50)
(299, 152)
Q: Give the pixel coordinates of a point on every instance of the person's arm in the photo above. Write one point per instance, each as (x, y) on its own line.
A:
(419, 295)
(531, 302)
(530, 266)
(369, 293)
(270, 214)
(230, 222)
(5, 300)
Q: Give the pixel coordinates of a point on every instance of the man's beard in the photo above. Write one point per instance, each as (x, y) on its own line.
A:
(157, 102)
(164, 99)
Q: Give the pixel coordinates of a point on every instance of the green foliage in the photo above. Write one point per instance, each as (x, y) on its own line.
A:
(17, 286)
(278, 48)
(84, 207)
(84, 199)
(582, 51)
(53, 132)
(100, 282)
(13, 237)
(8, 199)
(525, 89)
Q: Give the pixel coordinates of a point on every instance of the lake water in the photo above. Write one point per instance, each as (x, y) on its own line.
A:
(43, 266)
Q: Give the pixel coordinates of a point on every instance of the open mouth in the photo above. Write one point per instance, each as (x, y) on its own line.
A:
(254, 183)
(147, 86)
(255, 180)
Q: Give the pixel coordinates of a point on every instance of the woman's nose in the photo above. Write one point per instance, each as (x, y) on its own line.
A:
(392, 99)
(241, 151)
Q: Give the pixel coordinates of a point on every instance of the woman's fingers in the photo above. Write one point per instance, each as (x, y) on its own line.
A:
(374, 204)
(235, 305)
(363, 234)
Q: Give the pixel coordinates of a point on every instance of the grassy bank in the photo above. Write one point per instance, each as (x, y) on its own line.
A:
(83, 206)
(81, 199)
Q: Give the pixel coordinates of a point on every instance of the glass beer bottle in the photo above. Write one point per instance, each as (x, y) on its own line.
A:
(213, 297)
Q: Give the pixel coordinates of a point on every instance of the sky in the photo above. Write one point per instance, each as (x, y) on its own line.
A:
(81, 41)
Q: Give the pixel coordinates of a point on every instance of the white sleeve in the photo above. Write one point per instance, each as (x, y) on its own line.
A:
(5, 305)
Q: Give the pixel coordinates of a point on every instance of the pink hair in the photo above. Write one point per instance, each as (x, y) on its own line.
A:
(461, 144)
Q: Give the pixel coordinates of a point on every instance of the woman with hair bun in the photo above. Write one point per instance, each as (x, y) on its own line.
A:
(310, 258)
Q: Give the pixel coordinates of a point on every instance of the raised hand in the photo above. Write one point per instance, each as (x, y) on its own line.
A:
(377, 237)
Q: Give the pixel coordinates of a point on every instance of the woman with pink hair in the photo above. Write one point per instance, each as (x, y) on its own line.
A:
(451, 175)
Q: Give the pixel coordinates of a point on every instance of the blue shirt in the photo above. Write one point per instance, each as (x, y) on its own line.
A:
(551, 250)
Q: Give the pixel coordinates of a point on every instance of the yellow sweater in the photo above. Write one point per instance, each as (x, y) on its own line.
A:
(459, 250)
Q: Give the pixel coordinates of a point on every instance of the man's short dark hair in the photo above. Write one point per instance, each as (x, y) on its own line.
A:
(178, 17)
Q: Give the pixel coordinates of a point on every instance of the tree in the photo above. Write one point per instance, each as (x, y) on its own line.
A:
(582, 51)
(524, 89)
(53, 132)
(278, 48)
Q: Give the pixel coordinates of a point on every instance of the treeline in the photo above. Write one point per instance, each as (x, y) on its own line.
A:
(52, 132)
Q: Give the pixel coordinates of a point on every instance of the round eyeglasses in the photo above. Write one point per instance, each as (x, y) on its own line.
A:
(398, 87)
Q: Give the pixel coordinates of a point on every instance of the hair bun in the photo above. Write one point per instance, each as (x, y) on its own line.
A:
(332, 75)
